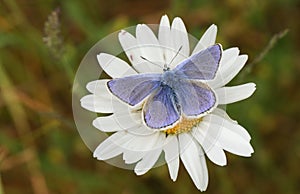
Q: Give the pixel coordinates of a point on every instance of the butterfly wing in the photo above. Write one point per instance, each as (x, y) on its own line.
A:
(195, 98)
(202, 65)
(134, 89)
(161, 109)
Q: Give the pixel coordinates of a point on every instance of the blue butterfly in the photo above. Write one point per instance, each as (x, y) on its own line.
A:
(174, 93)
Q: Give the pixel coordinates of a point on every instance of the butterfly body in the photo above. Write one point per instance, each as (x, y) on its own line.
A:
(170, 78)
(173, 94)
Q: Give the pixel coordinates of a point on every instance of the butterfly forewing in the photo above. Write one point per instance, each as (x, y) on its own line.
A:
(134, 89)
(202, 65)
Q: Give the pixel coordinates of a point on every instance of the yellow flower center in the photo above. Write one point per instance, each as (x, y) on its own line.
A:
(185, 125)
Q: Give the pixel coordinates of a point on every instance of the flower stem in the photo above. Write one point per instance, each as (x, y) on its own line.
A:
(275, 38)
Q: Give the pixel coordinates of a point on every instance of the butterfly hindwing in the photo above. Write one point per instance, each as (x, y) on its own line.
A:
(202, 65)
(161, 109)
(134, 89)
(195, 98)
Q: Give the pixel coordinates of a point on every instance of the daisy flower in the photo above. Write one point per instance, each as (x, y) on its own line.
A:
(190, 140)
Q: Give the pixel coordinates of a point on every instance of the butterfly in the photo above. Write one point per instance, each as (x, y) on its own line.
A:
(168, 96)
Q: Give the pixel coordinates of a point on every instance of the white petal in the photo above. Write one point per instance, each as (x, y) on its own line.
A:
(229, 73)
(125, 142)
(149, 47)
(225, 75)
(172, 156)
(193, 159)
(144, 143)
(228, 125)
(179, 37)
(120, 107)
(110, 148)
(107, 124)
(124, 115)
(235, 144)
(142, 130)
(114, 66)
(208, 39)
(131, 157)
(147, 162)
(228, 59)
(222, 113)
(110, 152)
(115, 122)
(228, 135)
(98, 87)
(217, 155)
(150, 158)
(133, 52)
(213, 151)
(164, 31)
(165, 40)
(94, 103)
(227, 95)
(128, 120)
(101, 100)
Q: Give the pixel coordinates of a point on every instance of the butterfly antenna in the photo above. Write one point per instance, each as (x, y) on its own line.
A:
(166, 66)
(150, 61)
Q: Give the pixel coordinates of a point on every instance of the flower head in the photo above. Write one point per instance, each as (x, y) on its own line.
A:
(187, 139)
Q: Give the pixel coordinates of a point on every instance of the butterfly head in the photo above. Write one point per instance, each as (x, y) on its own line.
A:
(166, 68)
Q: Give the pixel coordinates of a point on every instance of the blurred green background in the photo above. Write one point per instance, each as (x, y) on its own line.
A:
(41, 151)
